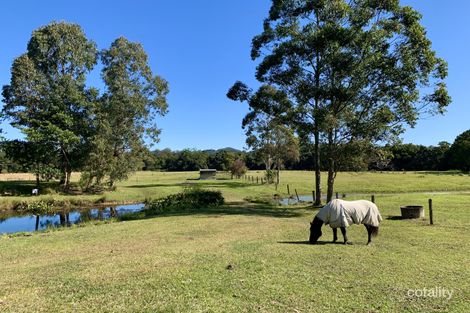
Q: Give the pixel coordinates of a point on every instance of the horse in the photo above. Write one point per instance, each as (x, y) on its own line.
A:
(341, 214)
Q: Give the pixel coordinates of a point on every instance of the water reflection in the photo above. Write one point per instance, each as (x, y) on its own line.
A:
(12, 223)
(293, 200)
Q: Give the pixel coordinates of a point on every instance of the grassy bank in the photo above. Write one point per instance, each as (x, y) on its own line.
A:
(242, 259)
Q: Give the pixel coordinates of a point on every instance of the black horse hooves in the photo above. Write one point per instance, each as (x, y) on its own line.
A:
(348, 243)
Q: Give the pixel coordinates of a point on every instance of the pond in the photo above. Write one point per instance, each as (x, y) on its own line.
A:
(293, 200)
(12, 223)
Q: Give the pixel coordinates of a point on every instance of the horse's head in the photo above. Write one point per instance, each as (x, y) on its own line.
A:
(315, 230)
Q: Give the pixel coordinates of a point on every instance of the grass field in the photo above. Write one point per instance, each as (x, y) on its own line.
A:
(246, 257)
(145, 185)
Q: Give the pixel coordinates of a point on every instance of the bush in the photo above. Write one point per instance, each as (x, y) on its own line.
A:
(191, 198)
(270, 175)
(238, 168)
(35, 207)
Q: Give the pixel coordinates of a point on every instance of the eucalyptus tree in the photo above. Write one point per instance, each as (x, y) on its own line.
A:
(125, 114)
(275, 144)
(47, 97)
(350, 71)
(272, 141)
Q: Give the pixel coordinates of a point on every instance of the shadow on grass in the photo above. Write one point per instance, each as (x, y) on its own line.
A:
(25, 187)
(16, 188)
(306, 242)
(158, 185)
(395, 218)
(448, 173)
(205, 184)
(224, 210)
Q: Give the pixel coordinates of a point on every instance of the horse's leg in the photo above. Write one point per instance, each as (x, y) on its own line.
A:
(369, 234)
(335, 234)
(343, 231)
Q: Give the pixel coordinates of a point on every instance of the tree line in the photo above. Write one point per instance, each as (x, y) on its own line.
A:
(396, 157)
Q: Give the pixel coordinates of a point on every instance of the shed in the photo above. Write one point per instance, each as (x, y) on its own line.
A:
(207, 173)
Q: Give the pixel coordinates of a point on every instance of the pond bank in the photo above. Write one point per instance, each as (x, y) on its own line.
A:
(65, 204)
(13, 222)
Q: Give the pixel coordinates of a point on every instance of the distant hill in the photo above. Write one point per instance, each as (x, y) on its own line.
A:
(228, 149)
(208, 151)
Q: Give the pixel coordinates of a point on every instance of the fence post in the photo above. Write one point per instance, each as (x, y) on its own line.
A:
(298, 199)
(337, 196)
(430, 212)
(288, 191)
(313, 196)
(372, 198)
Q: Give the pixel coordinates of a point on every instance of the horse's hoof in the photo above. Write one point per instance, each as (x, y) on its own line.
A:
(369, 244)
(348, 243)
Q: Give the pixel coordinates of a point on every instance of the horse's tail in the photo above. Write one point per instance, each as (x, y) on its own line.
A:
(374, 231)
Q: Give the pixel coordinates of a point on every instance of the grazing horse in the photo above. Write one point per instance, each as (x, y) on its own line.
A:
(340, 214)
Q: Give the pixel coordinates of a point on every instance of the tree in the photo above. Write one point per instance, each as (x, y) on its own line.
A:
(238, 168)
(274, 143)
(350, 71)
(189, 160)
(459, 152)
(47, 98)
(126, 113)
(412, 157)
(221, 160)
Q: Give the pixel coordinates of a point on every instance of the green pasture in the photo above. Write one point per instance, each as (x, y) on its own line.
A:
(151, 185)
(247, 257)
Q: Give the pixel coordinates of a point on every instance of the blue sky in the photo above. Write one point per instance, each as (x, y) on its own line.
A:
(202, 47)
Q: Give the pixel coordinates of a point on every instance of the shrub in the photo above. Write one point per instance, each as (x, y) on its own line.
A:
(35, 207)
(270, 176)
(238, 168)
(191, 198)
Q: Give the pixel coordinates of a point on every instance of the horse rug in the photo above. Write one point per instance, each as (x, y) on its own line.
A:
(340, 213)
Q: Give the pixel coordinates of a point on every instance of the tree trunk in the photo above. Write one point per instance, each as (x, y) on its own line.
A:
(88, 183)
(316, 129)
(316, 153)
(69, 175)
(331, 179)
(278, 173)
(66, 169)
(37, 180)
(268, 163)
(331, 168)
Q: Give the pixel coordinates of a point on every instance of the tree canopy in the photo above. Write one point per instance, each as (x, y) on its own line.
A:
(126, 112)
(345, 72)
(79, 127)
(459, 152)
(47, 98)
